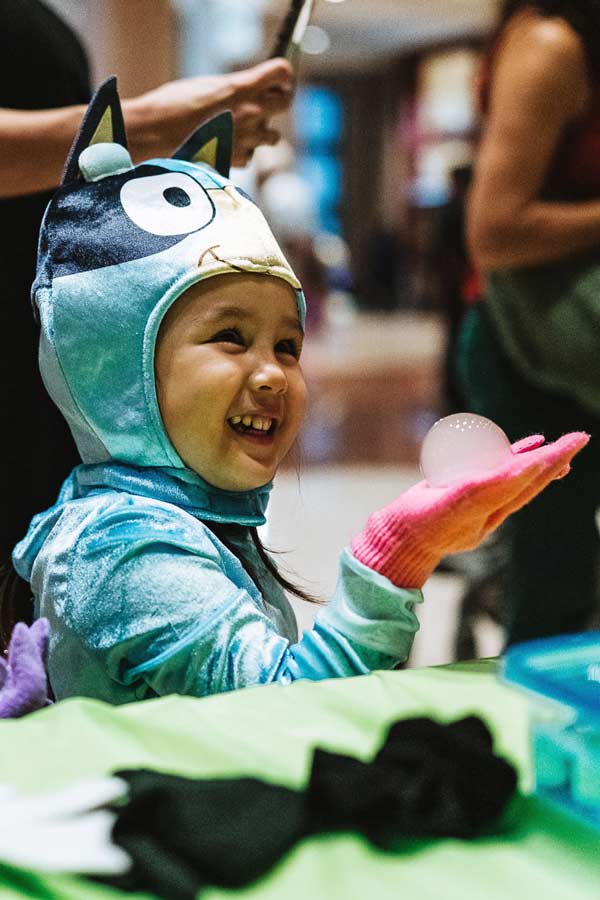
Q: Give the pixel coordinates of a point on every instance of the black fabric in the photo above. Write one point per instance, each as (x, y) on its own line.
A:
(428, 779)
(184, 834)
(42, 66)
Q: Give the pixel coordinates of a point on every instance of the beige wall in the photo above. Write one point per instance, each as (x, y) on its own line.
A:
(133, 39)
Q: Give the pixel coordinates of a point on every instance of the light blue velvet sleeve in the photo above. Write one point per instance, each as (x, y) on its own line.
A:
(167, 609)
(372, 613)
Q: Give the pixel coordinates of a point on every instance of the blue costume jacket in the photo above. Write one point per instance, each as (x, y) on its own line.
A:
(144, 600)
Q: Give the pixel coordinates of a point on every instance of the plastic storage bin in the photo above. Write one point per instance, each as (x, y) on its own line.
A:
(564, 675)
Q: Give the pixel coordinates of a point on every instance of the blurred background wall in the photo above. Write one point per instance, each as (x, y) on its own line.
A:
(365, 193)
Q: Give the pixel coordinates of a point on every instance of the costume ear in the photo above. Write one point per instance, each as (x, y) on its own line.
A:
(212, 143)
(102, 124)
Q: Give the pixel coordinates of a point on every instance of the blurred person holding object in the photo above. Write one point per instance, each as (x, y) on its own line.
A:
(44, 93)
(529, 354)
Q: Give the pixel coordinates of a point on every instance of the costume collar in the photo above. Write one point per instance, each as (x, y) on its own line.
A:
(181, 487)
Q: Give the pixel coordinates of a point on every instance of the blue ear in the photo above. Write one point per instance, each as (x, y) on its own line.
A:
(102, 124)
(212, 143)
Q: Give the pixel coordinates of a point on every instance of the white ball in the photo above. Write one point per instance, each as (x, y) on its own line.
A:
(461, 446)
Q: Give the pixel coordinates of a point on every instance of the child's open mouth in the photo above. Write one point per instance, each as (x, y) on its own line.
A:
(257, 427)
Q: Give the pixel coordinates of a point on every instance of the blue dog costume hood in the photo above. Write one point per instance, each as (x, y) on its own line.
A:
(118, 245)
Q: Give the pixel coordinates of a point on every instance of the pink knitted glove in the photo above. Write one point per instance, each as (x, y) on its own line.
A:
(406, 540)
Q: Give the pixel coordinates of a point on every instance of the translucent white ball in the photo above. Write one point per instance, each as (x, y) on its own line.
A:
(461, 446)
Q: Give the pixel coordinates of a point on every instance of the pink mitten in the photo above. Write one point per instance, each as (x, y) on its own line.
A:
(406, 540)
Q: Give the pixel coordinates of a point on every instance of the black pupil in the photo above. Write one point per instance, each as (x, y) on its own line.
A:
(176, 196)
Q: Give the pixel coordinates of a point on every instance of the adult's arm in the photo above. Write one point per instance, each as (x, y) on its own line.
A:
(34, 144)
(540, 86)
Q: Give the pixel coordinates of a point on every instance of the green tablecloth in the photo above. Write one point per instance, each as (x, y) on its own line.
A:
(270, 732)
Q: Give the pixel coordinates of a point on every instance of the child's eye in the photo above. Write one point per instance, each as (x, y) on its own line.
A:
(228, 336)
(290, 347)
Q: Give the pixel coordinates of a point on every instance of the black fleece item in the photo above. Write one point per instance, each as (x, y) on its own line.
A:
(427, 780)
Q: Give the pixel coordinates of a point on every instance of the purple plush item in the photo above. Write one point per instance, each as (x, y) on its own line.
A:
(23, 684)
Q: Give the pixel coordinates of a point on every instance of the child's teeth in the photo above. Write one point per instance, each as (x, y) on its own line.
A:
(256, 422)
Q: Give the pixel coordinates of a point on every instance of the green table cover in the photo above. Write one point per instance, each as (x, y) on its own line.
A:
(270, 732)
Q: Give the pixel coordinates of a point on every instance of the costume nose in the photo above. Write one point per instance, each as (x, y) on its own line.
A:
(268, 376)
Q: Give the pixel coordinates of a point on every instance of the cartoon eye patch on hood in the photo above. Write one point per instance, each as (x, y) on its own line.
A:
(119, 244)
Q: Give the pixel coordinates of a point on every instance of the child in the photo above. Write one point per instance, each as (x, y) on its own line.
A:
(171, 331)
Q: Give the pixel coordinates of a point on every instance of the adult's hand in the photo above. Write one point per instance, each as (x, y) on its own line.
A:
(258, 94)
(175, 109)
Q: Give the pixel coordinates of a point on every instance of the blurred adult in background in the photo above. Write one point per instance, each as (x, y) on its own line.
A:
(44, 90)
(529, 354)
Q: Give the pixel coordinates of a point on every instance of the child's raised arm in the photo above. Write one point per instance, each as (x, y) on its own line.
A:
(406, 540)
(160, 606)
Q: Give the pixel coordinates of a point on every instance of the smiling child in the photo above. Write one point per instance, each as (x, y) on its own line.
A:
(171, 336)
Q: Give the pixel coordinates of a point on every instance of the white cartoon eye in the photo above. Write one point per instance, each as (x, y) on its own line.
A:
(166, 204)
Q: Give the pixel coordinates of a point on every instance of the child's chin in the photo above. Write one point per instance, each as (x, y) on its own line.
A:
(255, 477)
(254, 480)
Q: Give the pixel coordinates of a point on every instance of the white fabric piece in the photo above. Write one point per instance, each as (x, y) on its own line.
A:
(62, 830)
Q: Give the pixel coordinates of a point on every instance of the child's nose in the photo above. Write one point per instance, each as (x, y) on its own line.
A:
(268, 376)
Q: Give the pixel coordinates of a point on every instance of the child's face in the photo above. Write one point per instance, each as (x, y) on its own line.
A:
(228, 349)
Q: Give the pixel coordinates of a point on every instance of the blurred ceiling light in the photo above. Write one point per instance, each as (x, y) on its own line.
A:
(315, 41)
(332, 250)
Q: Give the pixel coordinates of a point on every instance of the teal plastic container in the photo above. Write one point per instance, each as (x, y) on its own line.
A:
(563, 675)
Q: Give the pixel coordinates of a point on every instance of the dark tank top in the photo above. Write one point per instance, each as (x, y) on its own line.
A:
(575, 173)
